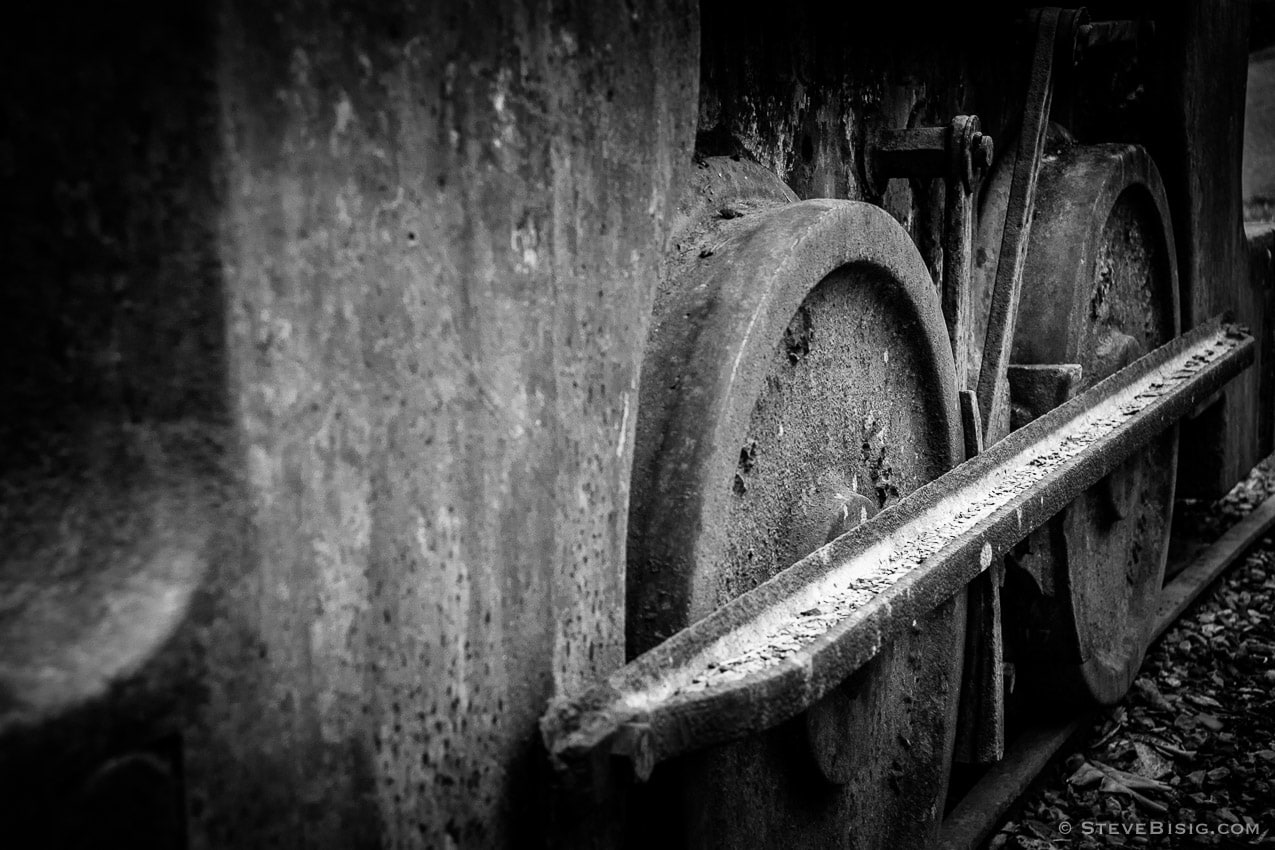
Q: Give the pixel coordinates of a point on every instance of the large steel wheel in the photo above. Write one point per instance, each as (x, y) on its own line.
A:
(1100, 290)
(798, 379)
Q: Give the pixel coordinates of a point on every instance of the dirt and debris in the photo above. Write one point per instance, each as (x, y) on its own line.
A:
(1188, 758)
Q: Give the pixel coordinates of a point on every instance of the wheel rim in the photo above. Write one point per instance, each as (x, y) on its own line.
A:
(1100, 301)
(797, 380)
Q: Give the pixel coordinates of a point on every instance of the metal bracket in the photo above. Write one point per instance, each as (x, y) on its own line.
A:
(1036, 389)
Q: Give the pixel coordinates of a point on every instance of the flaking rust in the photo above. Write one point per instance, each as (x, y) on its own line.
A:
(776, 650)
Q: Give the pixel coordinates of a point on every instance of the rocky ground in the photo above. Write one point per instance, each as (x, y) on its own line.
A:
(1188, 759)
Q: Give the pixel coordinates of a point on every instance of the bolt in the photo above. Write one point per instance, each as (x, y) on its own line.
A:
(982, 152)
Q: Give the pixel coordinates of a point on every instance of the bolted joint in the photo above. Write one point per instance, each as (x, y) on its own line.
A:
(983, 153)
(970, 151)
(959, 150)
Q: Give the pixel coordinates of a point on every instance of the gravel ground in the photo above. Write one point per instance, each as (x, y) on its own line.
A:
(1188, 759)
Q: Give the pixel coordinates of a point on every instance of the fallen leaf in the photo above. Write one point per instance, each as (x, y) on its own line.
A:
(1085, 776)
(1171, 749)
(1113, 786)
(1034, 843)
(1150, 762)
(1131, 780)
(1208, 721)
(1203, 701)
(1039, 829)
(1115, 781)
(1149, 692)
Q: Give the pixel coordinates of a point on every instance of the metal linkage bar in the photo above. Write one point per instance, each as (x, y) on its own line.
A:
(771, 653)
(1055, 34)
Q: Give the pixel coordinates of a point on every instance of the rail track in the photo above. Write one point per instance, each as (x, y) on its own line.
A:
(975, 817)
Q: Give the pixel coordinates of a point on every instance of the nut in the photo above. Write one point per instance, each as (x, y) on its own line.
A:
(982, 152)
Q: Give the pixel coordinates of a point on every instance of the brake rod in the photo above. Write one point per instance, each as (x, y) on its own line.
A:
(774, 651)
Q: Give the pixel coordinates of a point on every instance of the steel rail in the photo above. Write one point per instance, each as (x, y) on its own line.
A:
(981, 810)
(773, 652)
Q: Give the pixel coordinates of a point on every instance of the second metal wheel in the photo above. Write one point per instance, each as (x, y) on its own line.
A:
(1100, 290)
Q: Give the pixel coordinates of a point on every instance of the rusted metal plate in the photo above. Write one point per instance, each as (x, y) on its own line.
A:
(798, 379)
(771, 653)
(1100, 288)
(379, 280)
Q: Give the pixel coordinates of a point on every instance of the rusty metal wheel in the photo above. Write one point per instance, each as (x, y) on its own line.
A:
(1100, 290)
(798, 379)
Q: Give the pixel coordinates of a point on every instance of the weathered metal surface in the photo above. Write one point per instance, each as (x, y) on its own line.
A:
(829, 722)
(772, 652)
(960, 153)
(973, 820)
(915, 152)
(980, 735)
(1100, 288)
(798, 369)
(969, 156)
(1037, 388)
(1194, 132)
(325, 328)
(807, 114)
(980, 726)
(1053, 40)
(1261, 288)
(911, 152)
(1235, 434)
(362, 281)
(699, 395)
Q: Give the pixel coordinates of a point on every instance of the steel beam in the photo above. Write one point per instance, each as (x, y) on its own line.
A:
(773, 652)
